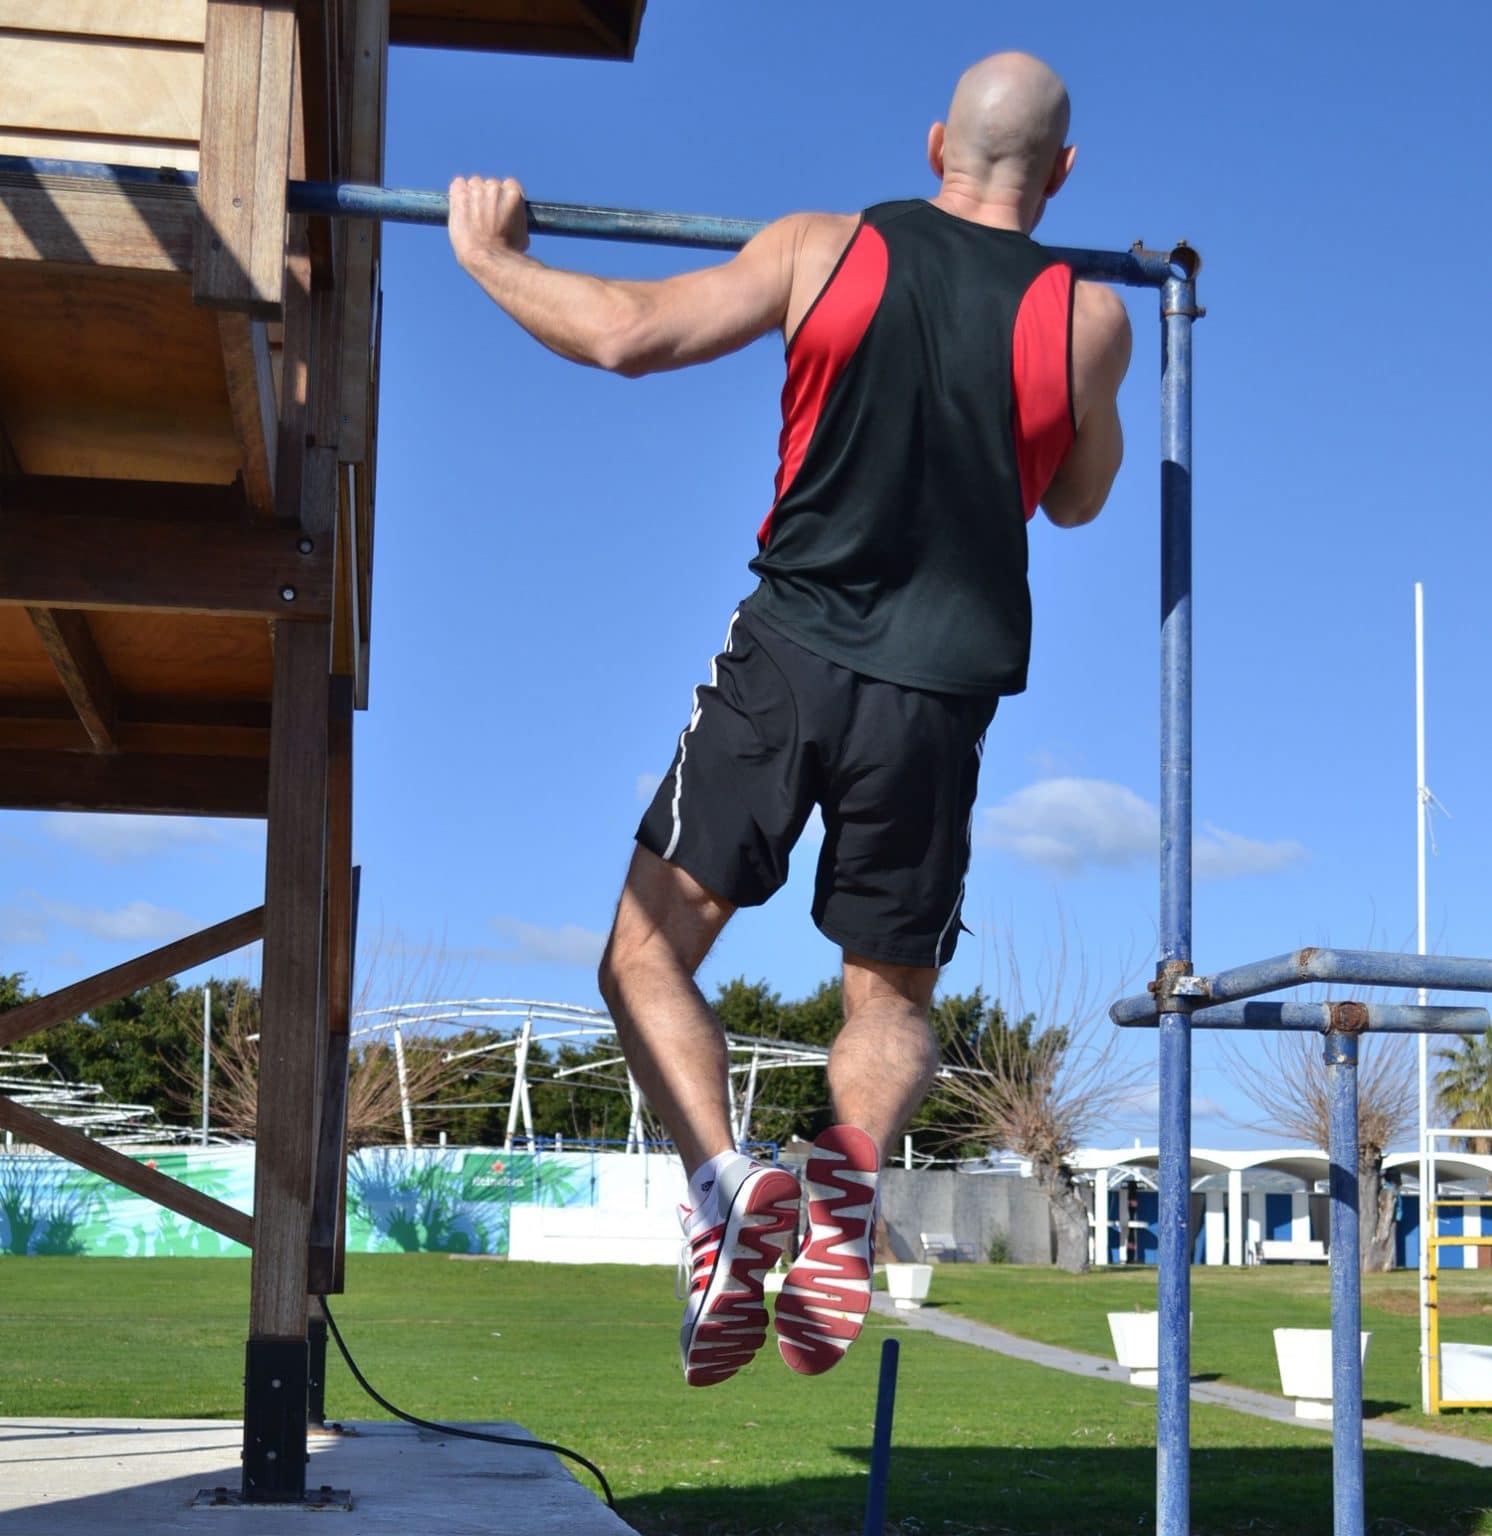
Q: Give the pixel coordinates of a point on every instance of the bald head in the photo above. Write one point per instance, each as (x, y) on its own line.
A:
(1006, 124)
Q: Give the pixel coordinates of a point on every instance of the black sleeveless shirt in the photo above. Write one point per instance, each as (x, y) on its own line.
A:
(928, 404)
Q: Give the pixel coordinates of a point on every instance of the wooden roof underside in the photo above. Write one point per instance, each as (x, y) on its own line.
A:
(591, 29)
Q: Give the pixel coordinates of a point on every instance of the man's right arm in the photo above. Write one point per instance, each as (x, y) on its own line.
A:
(1100, 358)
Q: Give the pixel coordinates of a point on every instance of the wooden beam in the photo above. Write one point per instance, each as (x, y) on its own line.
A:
(94, 223)
(247, 88)
(144, 970)
(251, 397)
(547, 39)
(145, 724)
(63, 545)
(148, 784)
(317, 75)
(68, 641)
(286, 1134)
(40, 1131)
(341, 920)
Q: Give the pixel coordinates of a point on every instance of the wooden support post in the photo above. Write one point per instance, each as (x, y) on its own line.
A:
(251, 396)
(247, 89)
(42, 1131)
(286, 1133)
(331, 1155)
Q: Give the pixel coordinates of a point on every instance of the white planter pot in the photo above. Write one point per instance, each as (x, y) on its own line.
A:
(1136, 1337)
(1304, 1356)
(1466, 1373)
(907, 1283)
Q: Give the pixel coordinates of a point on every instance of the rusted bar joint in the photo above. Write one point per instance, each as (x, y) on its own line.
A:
(1347, 1018)
(1175, 989)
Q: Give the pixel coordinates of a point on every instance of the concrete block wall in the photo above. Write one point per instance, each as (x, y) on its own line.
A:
(974, 1207)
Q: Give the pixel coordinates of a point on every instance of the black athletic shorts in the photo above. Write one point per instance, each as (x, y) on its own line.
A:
(778, 730)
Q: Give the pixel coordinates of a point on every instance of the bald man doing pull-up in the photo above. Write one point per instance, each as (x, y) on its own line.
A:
(945, 376)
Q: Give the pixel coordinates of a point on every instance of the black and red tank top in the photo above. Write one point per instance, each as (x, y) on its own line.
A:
(928, 404)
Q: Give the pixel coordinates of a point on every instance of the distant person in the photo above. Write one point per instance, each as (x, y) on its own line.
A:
(945, 375)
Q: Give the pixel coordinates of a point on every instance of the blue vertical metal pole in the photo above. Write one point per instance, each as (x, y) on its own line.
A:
(1346, 1287)
(880, 1449)
(1173, 1414)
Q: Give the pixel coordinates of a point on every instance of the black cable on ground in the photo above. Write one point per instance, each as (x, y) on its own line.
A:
(451, 1429)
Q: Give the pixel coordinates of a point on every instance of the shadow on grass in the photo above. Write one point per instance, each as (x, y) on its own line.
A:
(1100, 1491)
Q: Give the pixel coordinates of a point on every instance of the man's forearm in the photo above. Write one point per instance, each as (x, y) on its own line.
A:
(583, 318)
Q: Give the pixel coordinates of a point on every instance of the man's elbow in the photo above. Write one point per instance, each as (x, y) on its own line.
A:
(1075, 511)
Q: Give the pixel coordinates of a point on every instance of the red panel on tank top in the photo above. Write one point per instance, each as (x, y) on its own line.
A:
(824, 342)
(1041, 382)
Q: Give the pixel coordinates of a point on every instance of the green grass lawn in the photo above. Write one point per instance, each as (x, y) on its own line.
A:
(588, 1356)
(1234, 1313)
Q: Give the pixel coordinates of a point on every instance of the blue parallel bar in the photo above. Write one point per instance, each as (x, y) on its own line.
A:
(1346, 1287)
(880, 1449)
(397, 205)
(1173, 1407)
(1375, 1018)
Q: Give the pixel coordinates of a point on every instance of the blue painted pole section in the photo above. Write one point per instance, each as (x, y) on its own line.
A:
(1173, 1409)
(396, 205)
(1376, 1018)
(1346, 1288)
(880, 1449)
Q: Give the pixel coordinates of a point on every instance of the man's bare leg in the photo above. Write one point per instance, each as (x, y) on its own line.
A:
(666, 922)
(886, 1056)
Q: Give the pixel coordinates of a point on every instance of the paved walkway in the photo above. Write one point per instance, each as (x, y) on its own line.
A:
(1240, 1399)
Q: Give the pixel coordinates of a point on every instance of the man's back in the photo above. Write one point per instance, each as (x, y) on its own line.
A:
(926, 407)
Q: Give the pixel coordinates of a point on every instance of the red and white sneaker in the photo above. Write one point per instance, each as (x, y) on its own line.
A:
(748, 1219)
(827, 1292)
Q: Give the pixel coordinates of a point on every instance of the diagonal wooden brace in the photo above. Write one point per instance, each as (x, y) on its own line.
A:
(41, 1131)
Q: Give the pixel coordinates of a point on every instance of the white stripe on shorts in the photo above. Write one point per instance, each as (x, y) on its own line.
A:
(968, 850)
(678, 773)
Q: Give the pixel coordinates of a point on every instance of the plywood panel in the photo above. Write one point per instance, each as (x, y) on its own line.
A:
(184, 656)
(150, 153)
(26, 671)
(113, 374)
(180, 21)
(100, 86)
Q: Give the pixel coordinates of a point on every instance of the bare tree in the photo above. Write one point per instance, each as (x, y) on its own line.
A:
(1285, 1079)
(374, 1096)
(1042, 1084)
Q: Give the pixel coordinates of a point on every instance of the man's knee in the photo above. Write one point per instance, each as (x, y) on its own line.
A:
(868, 981)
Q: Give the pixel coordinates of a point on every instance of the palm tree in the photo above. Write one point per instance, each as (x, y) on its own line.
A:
(1464, 1086)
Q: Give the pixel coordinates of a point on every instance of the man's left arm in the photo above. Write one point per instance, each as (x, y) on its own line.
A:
(626, 327)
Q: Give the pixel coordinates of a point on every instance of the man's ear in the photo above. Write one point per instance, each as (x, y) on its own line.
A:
(935, 139)
(1061, 170)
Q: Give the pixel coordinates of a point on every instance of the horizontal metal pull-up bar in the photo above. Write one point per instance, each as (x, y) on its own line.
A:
(1323, 1018)
(1137, 268)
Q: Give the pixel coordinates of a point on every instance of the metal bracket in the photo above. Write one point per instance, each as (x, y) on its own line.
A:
(1174, 983)
(323, 1497)
(275, 1387)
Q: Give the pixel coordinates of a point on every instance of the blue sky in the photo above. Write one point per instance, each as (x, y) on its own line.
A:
(558, 550)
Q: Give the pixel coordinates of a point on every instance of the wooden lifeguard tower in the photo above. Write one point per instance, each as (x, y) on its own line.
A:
(188, 455)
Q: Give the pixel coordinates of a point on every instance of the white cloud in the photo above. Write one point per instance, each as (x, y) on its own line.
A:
(118, 838)
(534, 944)
(647, 786)
(17, 926)
(138, 922)
(1069, 825)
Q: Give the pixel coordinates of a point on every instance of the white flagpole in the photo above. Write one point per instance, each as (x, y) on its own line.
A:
(1426, 1195)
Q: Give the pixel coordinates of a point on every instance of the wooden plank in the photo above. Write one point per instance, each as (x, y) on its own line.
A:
(37, 729)
(239, 260)
(364, 164)
(183, 667)
(65, 219)
(40, 1131)
(60, 559)
(69, 642)
(177, 21)
(101, 87)
(286, 1133)
(150, 153)
(251, 395)
(72, 1002)
(317, 74)
(182, 785)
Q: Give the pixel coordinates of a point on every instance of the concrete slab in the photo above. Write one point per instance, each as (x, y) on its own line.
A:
(115, 1477)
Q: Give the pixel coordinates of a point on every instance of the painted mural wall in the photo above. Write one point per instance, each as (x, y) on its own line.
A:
(430, 1200)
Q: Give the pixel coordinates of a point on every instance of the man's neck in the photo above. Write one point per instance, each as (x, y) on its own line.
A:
(997, 208)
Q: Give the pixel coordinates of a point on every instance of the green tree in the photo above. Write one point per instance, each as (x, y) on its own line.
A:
(1464, 1086)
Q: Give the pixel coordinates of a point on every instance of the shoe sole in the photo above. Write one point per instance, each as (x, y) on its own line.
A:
(732, 1321)
(826, 1295)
